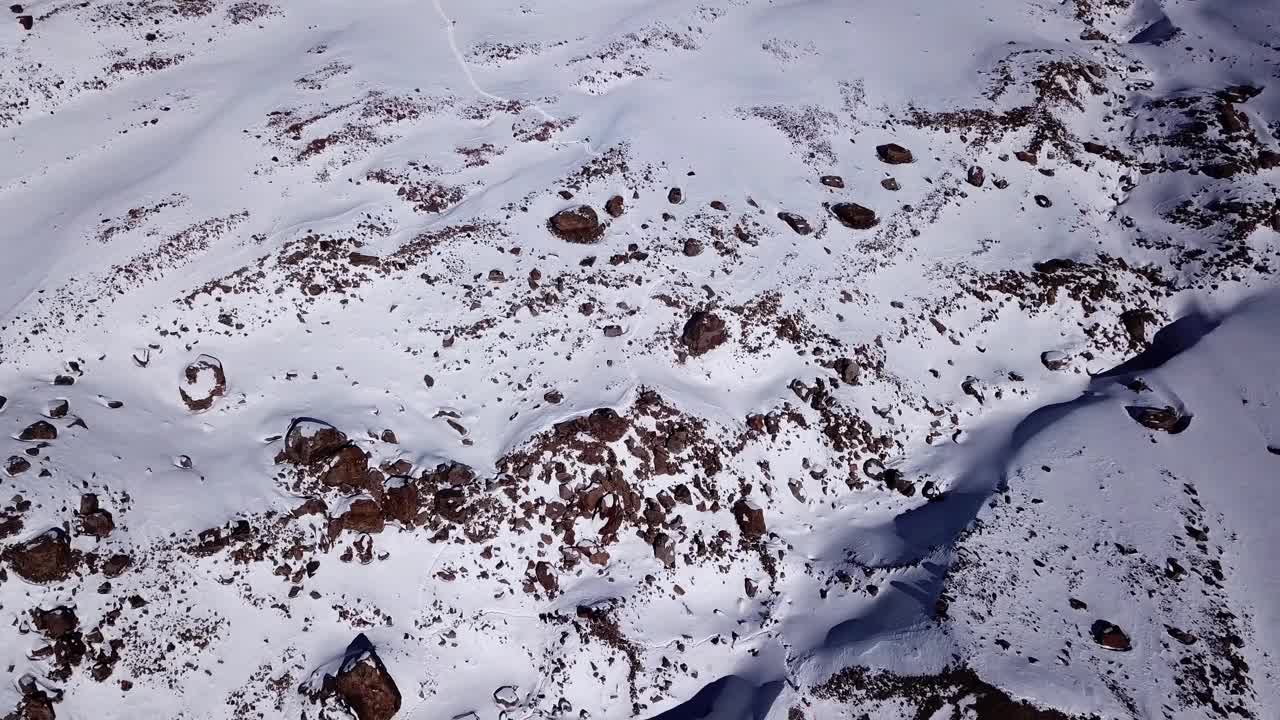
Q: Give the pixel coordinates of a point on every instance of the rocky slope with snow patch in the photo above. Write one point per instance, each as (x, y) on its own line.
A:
(639, 359)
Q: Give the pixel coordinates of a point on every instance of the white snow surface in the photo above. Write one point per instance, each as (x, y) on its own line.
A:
(346, 205)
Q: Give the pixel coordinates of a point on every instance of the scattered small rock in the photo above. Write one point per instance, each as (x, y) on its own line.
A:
(833, 181)
(675, 196)
(976, 176)
(692, 248)
(1043, 201)
(615, 206)
(890, 184)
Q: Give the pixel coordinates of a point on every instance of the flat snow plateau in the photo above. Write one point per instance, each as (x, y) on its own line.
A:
(477, 359)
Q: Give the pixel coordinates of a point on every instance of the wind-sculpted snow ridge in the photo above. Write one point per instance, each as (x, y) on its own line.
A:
(727, 360)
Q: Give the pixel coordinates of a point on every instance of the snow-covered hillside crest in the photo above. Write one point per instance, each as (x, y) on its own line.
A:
(554, 359)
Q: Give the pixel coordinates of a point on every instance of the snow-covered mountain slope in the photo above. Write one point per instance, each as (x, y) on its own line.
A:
(639, 358)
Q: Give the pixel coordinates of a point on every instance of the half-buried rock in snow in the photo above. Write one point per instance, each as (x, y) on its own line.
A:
(1166, 419)
(204, 381)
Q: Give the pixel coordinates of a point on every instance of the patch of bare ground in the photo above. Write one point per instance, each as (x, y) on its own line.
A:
(1107, 287)
(955, 693)
(1212, 132)
(249, 11)
(808, 128)
(490, 52)
(1053, 84)
(425, 195)
(136, 217)
(354, 127)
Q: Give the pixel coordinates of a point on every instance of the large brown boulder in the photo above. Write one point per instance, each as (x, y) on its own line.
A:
(894, 154)
(576, 225)
(363, 515)
(451, 504)
(45, 558)
(39, 430)
(750, 518)
(56, 623)
(402, 502)
(364, 684)
(606, 425)
(98, 523)
(36, 702)
(703, 333)
(602, 424)
(853, 215)
(616, 206)
(16, 465)
(309, 441)
(1110, 636)
(349, 470)
(796, 222)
